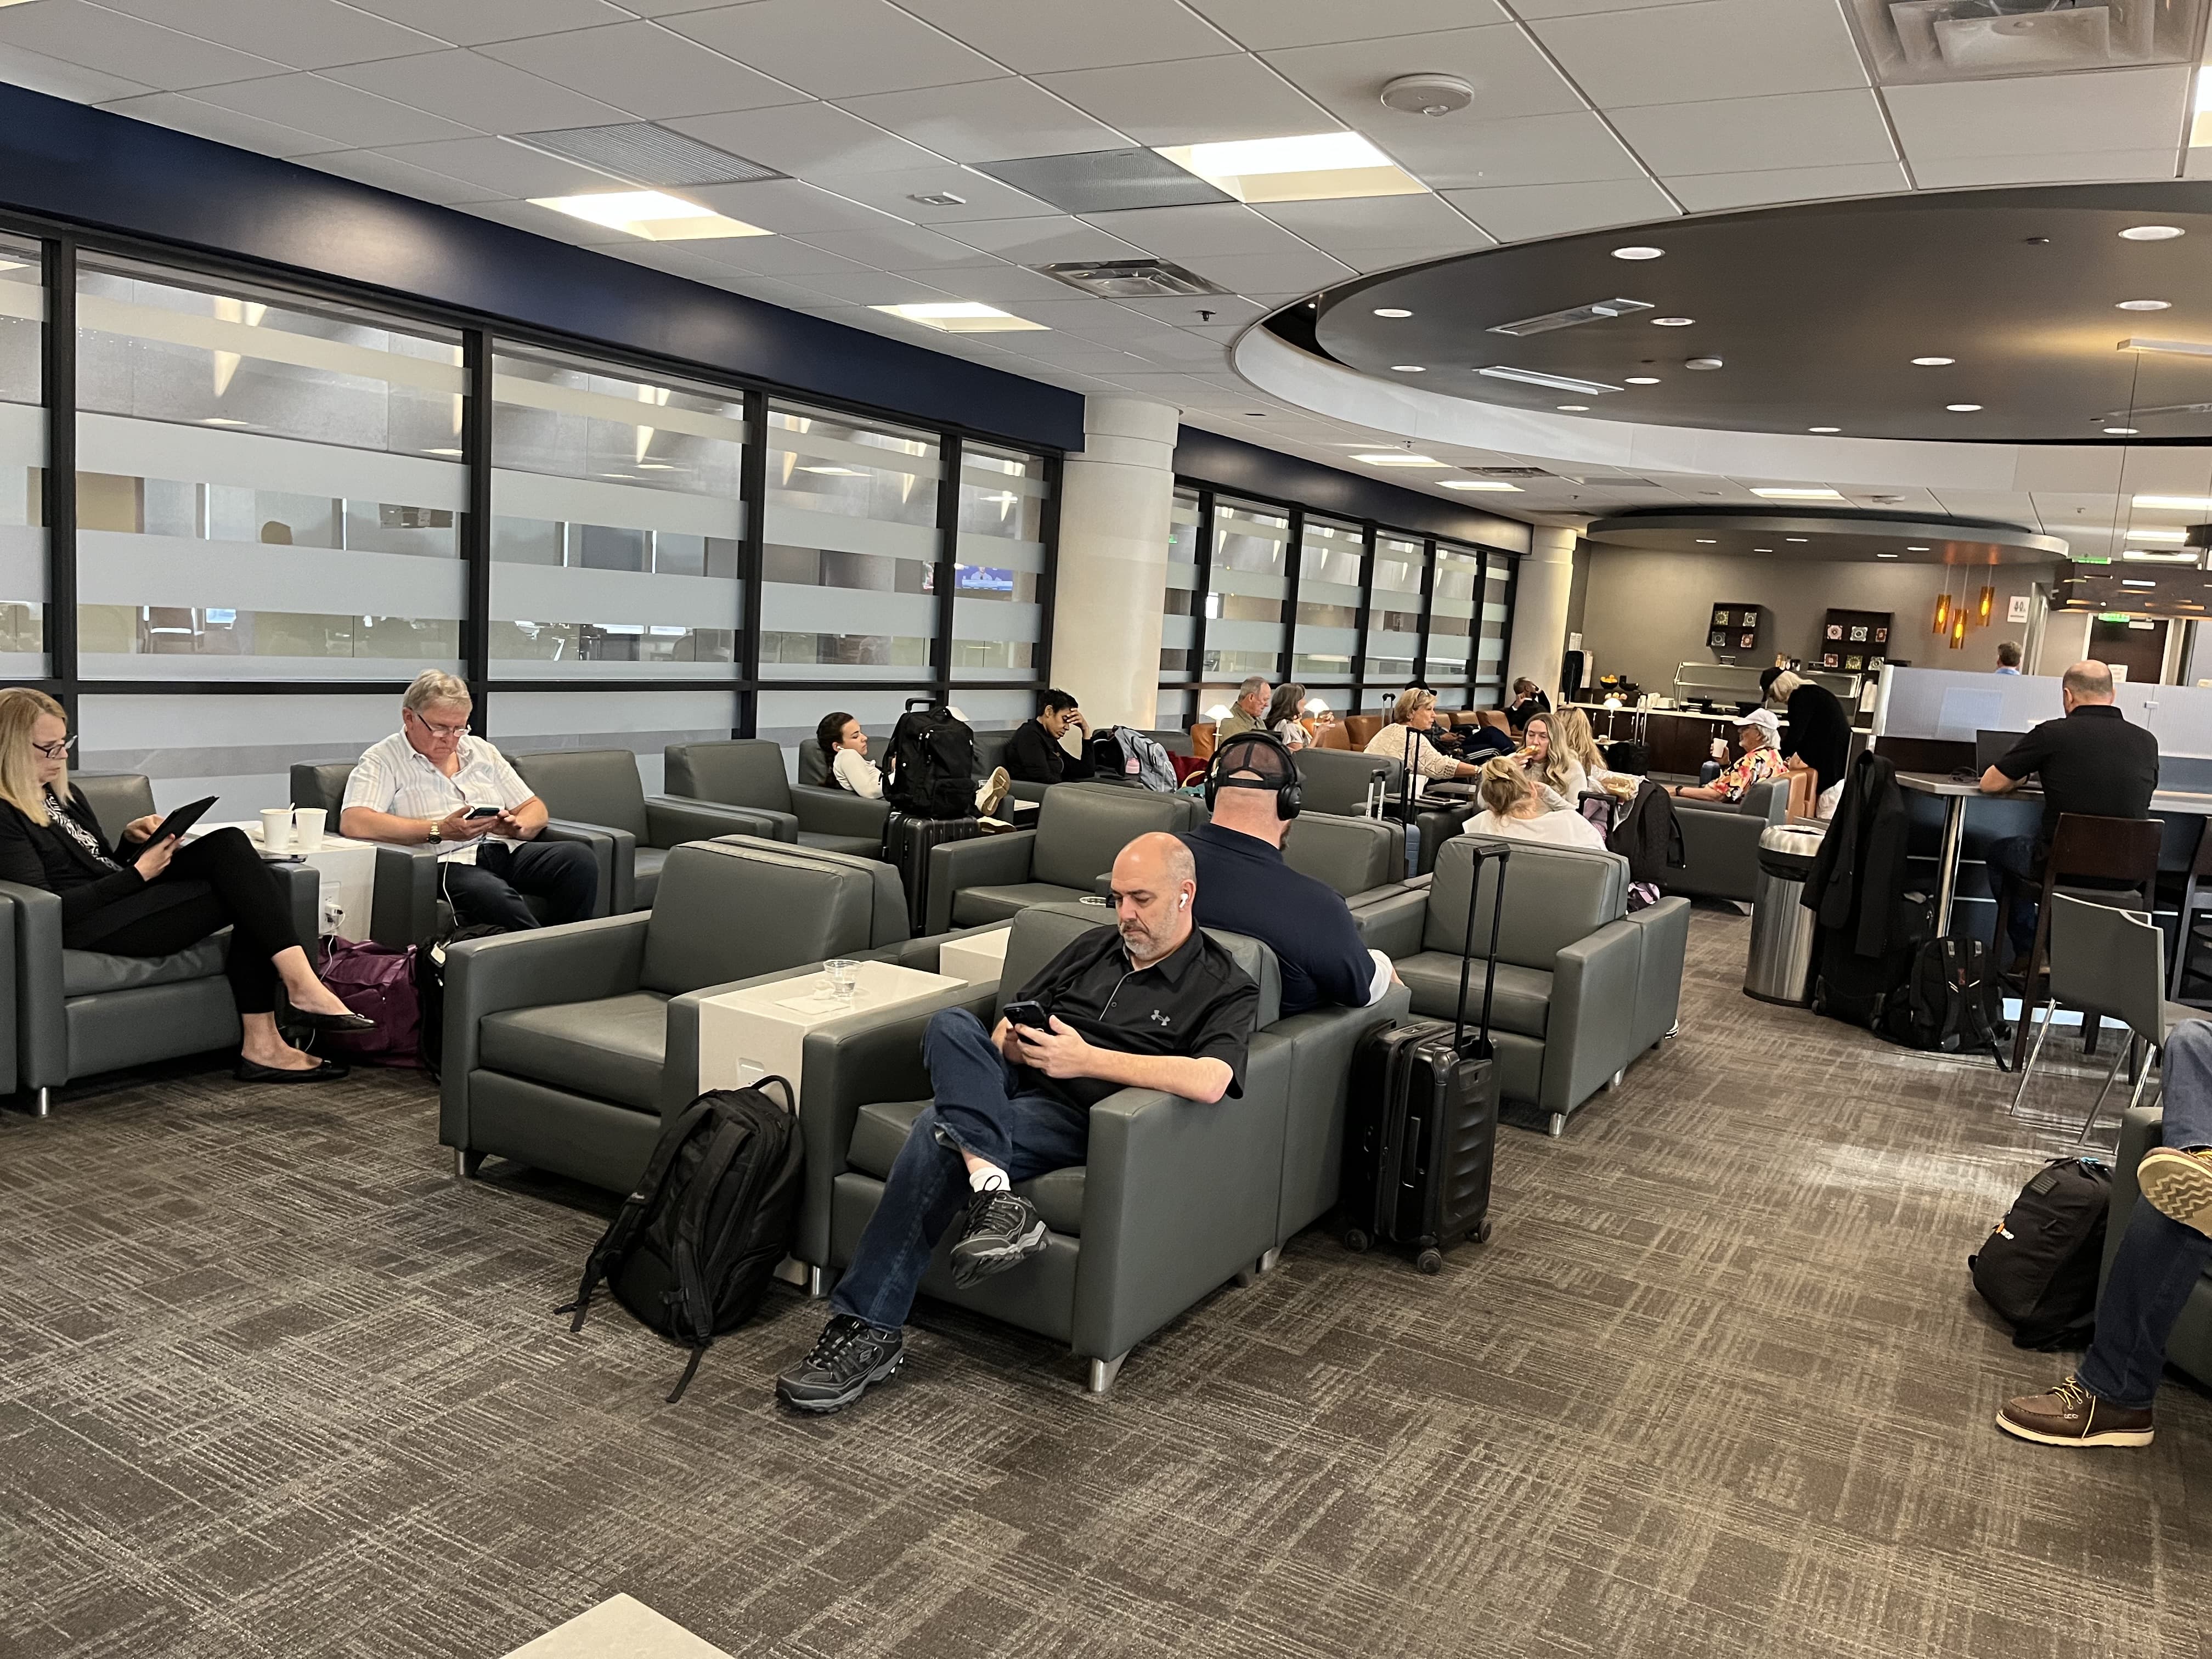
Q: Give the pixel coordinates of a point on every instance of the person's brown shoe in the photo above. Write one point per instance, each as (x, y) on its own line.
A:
(2179, 1184)
(2069, 1415)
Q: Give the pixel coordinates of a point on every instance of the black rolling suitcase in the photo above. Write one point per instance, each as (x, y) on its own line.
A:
(1418, 1154)
(907, 841)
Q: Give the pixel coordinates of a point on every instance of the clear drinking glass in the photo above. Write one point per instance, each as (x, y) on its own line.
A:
(844, 978)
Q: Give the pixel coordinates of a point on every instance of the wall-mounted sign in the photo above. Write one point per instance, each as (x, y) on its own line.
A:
(2016, 608)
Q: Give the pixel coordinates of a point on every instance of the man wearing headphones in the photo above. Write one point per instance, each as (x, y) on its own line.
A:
(1244, 886)
(1149, 1003)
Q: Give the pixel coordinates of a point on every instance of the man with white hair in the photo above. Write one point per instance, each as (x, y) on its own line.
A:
(431, 783)
(1250, 713)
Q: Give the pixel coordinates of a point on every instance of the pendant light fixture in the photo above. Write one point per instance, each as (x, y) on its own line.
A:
(1943, 604)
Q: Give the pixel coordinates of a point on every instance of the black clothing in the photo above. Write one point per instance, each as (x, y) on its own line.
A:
(1536, 703)
(1819, 733)
(1035, 755)
(490, 892)
(1244, 887)
(1859, 872)
(1196, 1002)
(2091, 761)
(1478, 744)
(45, 855)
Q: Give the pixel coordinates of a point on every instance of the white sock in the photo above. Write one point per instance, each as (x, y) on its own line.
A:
(988, 1179)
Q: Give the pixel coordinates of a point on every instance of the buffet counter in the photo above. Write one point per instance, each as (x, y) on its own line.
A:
(1680, 739)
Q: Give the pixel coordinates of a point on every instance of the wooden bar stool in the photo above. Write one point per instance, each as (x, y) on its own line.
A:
(2084, 848)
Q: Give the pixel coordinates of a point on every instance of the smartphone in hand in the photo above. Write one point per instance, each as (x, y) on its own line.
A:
(1028, 1012)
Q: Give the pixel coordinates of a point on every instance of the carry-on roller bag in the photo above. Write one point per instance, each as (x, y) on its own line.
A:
(1419, 1150)
(907, 842)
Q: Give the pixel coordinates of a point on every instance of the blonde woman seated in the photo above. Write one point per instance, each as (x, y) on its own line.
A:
(1406, 739)
(1558, 777)
(1512, 807)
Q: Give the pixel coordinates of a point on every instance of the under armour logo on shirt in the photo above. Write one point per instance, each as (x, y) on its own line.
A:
(1159, 1018)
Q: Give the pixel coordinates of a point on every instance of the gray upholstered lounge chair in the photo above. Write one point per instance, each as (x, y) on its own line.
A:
(1081, 827)
(1720, 842)
(599, 789)
(748, 773)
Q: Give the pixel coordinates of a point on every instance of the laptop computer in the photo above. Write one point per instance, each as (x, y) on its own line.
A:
(1991, 747)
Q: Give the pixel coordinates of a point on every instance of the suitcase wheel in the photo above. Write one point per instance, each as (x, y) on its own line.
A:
(1356, 1241)
(1482, 1231)
(1430, 1261)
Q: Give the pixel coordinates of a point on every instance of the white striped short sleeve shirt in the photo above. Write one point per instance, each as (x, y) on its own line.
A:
(395, 777)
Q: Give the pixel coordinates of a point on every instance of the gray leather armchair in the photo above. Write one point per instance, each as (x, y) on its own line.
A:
(565, 1045)
(1363, 858)
(74, 1013)
(748, 773)
(406, 906)
(1583, 987)
(1176, 1198)
(1080, 829)
(1720, 842)
(2190, 1347)
(598, 789)
(1339, 780)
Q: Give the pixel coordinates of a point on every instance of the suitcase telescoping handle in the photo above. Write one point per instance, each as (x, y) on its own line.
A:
(1483, 850)
(924, 702)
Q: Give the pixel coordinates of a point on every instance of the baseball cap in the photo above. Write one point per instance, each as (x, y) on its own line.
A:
(1247, 752)
(1763, 720)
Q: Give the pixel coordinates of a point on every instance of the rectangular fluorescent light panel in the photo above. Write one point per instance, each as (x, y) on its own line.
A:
(2173, 504)
(1399, 458)
(960, 317)
(2157, 535)
(2178, 348)
(1480, 484)
(653, 215)
(1316, 167)
(1555, 382)
(1800, 494)
(2188, 554)
(1596, 311)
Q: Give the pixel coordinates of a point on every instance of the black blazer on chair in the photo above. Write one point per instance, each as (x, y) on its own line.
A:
(95, 899)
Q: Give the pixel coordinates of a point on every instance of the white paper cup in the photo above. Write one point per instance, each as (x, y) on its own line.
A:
(276, 829)
(307, 823)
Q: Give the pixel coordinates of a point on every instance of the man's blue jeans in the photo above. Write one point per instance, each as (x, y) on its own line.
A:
(2159, 1261)
(985, 1104)
(2017, 884)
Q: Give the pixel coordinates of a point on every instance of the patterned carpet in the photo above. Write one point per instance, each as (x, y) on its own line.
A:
(271, 1384)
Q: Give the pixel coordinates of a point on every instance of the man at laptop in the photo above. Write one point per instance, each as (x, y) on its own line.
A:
(2093, 760)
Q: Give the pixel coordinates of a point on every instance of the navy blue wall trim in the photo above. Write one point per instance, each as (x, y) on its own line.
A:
(66, 161)
(1246, 468)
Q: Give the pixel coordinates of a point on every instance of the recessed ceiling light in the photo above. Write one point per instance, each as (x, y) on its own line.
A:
(1640, 254)
(1672, 322)
(1762, 549)
(1808, 493)
(1573, 317)
(1823, 428)
(1574, 408)
(938, 198)
(1709, 541)
(2175, 504)
(1643, 380)
(1550, 382)
(1399, 458)
(2122, 431)
(2144, 304)
(1480, 484)
(959, 317)
(1933, 362)
(1702, 362)
(653, 215)
(1391, 311)
(1796, 539)
(1911, 549)
(2151, 233)
(1313, 166)
(2157, 535)
(221, 420)
(441, 452)
(1886, 555)
(1962, 409)
(1408, 368)
(642, 466)
(2137, 582)
(835, 471)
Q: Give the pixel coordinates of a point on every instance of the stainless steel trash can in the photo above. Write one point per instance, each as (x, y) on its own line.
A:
(1781, 966)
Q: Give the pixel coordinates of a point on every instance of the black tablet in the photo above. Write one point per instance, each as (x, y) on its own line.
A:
(182, 819)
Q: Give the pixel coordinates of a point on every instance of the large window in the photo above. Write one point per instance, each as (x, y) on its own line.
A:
(23, 462)
(998, 578)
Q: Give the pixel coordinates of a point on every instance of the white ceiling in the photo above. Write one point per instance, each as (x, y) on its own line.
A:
(1589, 113)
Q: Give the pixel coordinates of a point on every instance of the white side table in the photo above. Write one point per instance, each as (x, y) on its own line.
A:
(978, 958)
(761, 1030)
(348, 872)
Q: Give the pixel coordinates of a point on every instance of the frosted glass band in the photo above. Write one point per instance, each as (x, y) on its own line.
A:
(111, 316)
(544, 496)
(115, 568)
(198, 454)
(623, 411)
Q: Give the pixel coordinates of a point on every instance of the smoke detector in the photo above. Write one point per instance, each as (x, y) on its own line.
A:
(1428, 94)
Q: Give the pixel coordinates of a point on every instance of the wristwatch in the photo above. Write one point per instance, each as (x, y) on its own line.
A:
(436, 835)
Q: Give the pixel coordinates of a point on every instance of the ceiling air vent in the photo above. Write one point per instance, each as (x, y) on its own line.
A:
(1130, 279)
(1596, 311)
(1509, 472)
(640, 153)
(1925, 40)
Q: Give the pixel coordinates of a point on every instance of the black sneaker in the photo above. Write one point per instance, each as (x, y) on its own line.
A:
(848, 1355)
(1003, 1231)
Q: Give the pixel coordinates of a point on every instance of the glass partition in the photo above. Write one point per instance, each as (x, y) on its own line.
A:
(23, 462)
(998, 571)
(1458, 586)
(1325, 637)
(1394, 620)
(1248, 582)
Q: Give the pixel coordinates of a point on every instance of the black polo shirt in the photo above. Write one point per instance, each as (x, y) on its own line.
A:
(1244, 887)
(2094, 760)
(1194, 1002)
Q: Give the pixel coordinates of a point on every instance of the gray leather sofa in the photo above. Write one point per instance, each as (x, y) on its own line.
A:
(991, 754)
(1080, 829)
(1339, 780)
(748, 773)
(1720, 842)
(1583, 987)
(74, 1013)
(2190, 1347)
(599, 789)
(1175, 1199)
(564, 1046)
(405, 906)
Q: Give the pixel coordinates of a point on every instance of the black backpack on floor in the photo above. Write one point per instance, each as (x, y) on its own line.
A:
(929, 765)
(430, 991)
(2039, 1269)
(694, 1246)
(1951, 1002)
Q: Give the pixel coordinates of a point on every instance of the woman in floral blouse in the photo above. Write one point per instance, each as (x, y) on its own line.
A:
(1758, 731)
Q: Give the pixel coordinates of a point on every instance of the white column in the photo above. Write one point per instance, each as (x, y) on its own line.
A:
(1115, 501)
(1539, 609)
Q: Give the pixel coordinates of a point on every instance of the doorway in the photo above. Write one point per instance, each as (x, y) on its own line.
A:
(2141, 649)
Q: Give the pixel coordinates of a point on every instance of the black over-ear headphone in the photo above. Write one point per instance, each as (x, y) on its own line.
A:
(1288, 791)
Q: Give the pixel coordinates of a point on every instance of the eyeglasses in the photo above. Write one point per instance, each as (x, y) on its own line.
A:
(460, 731)
(54, 751)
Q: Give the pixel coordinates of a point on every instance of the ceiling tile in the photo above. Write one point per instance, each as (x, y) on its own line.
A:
(837, 48)
(1802, 130)
(368, 166)
(808, 139)
(1348, 228)
(1523, 211)
(1263, 24)
(1079, 354)
(1210, 100)
(1534, 9)
(1043, 241)
(1510, 76)
(2051, 114)
(502, 168)
(1002, 285)
(989, 121)
(787, 206)
(186, 114)
(346, 113)
(983, 197)
(1712, 192)
(1577, 149)
(1041, 36)
(2093, 167)
(109, 41)
(1299, 273)
(473, 22)
(1178, 233)
(1230, 313)
(39, 73)
(646, 70)
(1694, 53)
(900, 247)
(466, 86)
(773, 256)
(543, 222)
(305, 33)
(874, 287)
